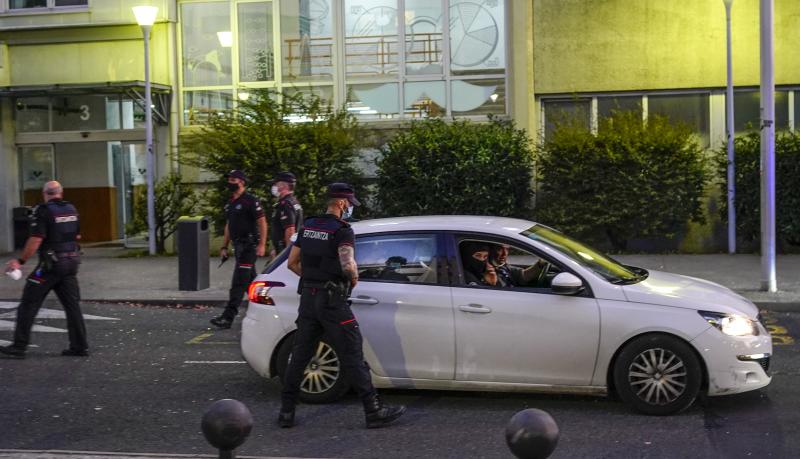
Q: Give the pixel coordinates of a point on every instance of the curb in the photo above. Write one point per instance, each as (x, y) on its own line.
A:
(59, 454)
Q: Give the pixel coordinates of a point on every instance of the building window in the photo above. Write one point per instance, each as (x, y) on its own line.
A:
(690, 109)
(26, 4)
(607, 105)
(576, 112)
(198, 106)
(352, 49)
(747, 111)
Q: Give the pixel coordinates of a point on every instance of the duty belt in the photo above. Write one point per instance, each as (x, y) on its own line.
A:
(68, 254)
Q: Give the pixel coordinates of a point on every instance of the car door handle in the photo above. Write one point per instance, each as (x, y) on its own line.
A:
(362, 300)
(477, 308)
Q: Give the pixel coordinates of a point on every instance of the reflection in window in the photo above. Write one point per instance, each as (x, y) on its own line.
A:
(199, 106)
(307, 39)
(574, 112)
(71, 2)
(392, 258)
(373, 101)
(371, 46)
(206, 44)
(425, 99)
(478, 97)
(424, 33)
(309, 95)
(256, 55)
(606, 106)
(691, 109)
(37, 166)
(19, 4)
(33, 114)
(477, 35)
(747, 111)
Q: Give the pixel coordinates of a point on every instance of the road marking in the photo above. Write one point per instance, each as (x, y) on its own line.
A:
(780, 335)
(212, 362)
(44, 313)
(199, 338)
(6, 343)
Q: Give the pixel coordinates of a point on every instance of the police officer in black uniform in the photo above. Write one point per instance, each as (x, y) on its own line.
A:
(246, 226)
(54, 234)
(287, 213)
(324, 258)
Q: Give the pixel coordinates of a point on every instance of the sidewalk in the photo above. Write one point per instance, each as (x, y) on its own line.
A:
(106, 277)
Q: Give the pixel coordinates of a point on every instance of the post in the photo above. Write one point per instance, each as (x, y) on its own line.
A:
(148, 117)
(768, 277)
(730, 133)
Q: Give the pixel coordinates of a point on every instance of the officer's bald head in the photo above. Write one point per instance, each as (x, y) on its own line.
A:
(52, 190)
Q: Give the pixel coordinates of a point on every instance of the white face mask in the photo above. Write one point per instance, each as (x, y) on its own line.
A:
(274, 190)
(348, 212)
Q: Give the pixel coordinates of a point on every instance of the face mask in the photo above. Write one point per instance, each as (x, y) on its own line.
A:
(475, 266)
(233, 186)
(347, 213)
(274, 190)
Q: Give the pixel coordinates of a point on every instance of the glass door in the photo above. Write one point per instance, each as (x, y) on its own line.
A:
(130, 170)
(37, 167)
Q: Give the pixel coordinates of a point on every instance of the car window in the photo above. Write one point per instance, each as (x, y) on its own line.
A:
(400, 258)
(506, 266)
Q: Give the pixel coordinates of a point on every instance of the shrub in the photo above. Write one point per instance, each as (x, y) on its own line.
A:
(172, 199)
(436, 167)
(630, 180)
(748, 188)
(263, 136)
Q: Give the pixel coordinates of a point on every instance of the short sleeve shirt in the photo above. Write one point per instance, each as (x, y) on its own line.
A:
(242, 214)
(287, 213)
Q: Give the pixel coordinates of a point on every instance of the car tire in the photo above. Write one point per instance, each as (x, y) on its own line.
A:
(323, 381)
(658, 375)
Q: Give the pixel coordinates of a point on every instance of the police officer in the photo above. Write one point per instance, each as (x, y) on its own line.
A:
(287, 213)
(54, 234)
(246, 226)
(324, 258)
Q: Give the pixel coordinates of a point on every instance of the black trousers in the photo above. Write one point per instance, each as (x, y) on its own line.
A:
(322, 313)
(61, 278)
(243, 274)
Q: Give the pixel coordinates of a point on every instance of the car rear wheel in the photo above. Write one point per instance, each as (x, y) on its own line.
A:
(323, 381)
(658, 375)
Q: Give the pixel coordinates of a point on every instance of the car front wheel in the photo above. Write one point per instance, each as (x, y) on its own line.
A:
(323, 381)
(658, 375)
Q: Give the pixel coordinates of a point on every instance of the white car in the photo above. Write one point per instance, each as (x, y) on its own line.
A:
(587, 324)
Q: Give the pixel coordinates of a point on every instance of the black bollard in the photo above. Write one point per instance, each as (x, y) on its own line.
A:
(532, 434)
(226, 425)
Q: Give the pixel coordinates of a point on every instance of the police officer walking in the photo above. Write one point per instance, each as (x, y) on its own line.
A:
(287, 213)
(246, 226)
(54, 234)
(324, 258)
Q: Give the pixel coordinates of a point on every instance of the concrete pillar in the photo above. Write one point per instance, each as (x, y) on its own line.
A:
(9, 175)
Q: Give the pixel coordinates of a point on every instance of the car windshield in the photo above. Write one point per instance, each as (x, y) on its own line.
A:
(605, 266)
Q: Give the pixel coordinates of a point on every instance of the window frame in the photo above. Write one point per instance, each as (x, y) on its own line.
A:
(442, 271)
(5, 8)
(457, 266)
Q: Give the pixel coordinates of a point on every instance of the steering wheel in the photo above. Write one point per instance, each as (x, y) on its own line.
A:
(541, 280)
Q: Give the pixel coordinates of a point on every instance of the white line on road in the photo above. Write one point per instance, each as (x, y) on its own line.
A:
(211, 362)
(6, 343)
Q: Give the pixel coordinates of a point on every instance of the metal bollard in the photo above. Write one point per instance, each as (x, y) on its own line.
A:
(226, 425)
(532, 434)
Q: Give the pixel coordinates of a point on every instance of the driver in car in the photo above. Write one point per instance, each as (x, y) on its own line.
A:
(513, 276)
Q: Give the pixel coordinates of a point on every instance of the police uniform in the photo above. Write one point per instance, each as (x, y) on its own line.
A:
(324, 310)
(242, 215)
(57, 224)
(287, 212)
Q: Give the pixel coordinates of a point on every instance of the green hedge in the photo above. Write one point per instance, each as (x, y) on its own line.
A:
(630, 180)
(748, 189)
(459, 167)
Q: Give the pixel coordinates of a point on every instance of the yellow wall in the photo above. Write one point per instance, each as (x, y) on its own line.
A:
(617, 45)
(85, 55)
(99, 12)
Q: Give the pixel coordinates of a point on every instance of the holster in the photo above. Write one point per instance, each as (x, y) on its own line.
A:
(47, 260)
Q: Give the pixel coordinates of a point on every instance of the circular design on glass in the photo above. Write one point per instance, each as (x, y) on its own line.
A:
(379, 20)
(322, 371)
(657, 376)
(473, 34)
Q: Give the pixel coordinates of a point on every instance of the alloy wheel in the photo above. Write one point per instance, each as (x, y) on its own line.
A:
(657, 376)
(322, 371)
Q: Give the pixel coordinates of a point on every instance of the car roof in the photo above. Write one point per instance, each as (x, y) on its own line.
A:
(482, 224)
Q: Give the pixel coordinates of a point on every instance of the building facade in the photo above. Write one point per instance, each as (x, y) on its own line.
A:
(72, 72)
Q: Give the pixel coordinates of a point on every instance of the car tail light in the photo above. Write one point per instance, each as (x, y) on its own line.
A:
(259, 292)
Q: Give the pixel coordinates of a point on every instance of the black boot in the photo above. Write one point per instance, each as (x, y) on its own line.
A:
(286, 418)
(13, 351)
(378, 415)
(222, 322)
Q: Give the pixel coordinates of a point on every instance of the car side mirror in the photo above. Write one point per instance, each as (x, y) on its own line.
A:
(566, 284)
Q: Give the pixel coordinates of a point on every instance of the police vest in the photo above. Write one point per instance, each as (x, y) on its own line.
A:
(63, 227)
(319, 251)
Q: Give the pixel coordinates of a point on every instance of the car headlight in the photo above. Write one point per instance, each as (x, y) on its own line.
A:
(731, 324)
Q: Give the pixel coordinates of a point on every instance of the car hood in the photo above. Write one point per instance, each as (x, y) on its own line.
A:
(689, 292)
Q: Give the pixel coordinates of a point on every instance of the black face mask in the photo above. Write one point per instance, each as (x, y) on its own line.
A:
(475, 266)
(233, 186)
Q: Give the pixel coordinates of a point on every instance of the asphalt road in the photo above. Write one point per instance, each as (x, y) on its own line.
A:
(149, 379)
